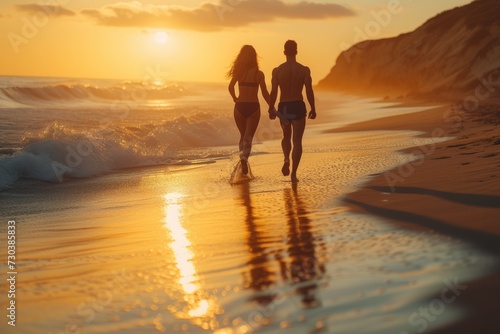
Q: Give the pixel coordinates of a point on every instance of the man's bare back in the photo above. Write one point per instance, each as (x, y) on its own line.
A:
(291, 78)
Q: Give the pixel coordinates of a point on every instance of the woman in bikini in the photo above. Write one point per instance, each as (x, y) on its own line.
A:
(245, 71)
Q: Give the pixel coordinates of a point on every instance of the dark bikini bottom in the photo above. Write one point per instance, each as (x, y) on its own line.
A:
(292, 110)
(247, 109)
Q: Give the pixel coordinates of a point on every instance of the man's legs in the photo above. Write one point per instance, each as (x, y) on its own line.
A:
(298, 131)
(286, 146)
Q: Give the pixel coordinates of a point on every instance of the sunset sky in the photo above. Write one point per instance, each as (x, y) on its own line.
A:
(191, 40)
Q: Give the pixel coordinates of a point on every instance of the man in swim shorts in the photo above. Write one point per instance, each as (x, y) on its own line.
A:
(291, 77)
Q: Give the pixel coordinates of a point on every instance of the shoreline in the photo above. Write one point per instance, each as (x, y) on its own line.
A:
(452, 187)
(470, 155)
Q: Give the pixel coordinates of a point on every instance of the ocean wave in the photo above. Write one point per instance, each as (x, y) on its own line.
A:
(63, 151)
(131, 90)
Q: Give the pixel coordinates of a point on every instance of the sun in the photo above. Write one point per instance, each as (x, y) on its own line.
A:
(161, 37)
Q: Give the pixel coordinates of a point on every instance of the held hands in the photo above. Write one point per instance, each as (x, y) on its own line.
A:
(312, 114)
(272, 113)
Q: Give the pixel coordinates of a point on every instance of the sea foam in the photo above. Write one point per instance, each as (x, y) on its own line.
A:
(63, 151)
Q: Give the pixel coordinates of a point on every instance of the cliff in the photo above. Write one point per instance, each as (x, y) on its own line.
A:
(448, 56)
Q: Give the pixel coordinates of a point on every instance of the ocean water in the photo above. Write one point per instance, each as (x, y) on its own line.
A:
(127, 223)
(54, 129)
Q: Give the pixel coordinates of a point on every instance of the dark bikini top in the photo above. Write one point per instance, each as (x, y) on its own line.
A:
(249, 83)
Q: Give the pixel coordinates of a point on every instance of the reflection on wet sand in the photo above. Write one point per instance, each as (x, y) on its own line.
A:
(302, 267)
(194, 304)
(260, 277)
(297, 263)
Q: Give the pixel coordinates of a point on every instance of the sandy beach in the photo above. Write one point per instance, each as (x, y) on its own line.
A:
(453, 182)
(452, 187)
(176, 248)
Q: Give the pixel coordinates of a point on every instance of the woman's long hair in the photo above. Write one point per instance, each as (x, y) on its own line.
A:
(245, 60)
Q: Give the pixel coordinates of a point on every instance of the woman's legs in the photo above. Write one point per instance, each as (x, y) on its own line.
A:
(251, 126)
(247, 127)
(241, 124)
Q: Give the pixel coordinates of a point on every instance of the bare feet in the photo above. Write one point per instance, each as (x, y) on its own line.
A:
(286, 168)
(244, 166)
(294, 179)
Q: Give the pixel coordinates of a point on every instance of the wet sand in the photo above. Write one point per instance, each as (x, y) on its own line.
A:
(178, 249)
(452, 187)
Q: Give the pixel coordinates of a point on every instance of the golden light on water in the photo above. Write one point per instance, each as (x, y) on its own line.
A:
(188, 277)
(180, 243)
(159, 104)
(201, 310)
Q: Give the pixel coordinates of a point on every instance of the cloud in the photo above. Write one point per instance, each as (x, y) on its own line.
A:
(50, 10)
(211, 16)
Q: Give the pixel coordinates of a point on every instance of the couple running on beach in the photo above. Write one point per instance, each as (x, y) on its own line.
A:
(290, 77)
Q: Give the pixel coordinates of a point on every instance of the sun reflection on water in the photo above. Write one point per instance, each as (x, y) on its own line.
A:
(159, 103)
(198, 304)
